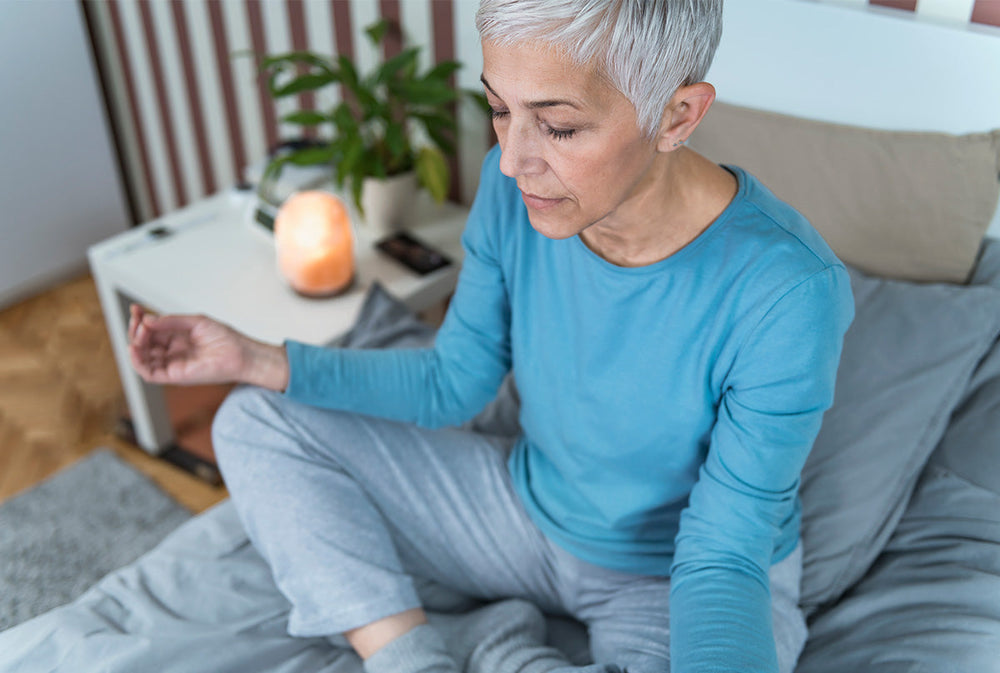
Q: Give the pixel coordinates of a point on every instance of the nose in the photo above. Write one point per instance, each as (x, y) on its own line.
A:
(519, 150)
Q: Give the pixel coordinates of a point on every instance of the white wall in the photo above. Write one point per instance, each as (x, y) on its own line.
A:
(59, 187)
(859, 65)
(849, 63)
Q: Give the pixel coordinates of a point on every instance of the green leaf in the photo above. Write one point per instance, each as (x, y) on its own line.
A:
(367, 166)
(273, 170)
(377, 111)
(374, 166)
(305, 118)
(437, 120)
(371, 107)
(422, 92)
(406, 59)
(376, 31)
(356, 184)
(344, 119)
(395, 140)
(354, 151)
(443, 141)
(307, 82)
(311, 156)
(440, 127)
(432, 172)
(348, 73)
(364, 95)
(271, 174)
(442, 71)
(297, 58)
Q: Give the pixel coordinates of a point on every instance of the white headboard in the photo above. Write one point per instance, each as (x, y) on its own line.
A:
(853, 64)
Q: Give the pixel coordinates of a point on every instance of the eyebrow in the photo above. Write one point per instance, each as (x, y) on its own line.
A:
(535, 104)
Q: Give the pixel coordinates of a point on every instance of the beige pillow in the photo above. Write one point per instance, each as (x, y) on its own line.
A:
(905, 205)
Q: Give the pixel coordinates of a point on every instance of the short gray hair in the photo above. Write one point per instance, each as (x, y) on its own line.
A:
(646, 48)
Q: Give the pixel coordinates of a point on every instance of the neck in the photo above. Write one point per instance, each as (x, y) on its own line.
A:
(678, 199)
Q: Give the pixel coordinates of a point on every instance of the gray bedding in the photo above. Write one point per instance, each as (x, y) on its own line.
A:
(908, 583)
(931, 600)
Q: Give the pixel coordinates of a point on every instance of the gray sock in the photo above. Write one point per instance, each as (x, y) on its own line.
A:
(505, 637)
(419, 650)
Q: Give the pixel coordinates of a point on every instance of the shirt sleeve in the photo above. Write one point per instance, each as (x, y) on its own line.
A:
(443, 385)
(780, 384)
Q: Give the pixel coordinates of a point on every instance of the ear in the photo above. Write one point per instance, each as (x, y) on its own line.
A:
(683, 114)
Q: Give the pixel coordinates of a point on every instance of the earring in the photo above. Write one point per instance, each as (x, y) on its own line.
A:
(679, 143)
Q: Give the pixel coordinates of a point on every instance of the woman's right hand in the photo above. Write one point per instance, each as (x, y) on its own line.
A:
(194, 349)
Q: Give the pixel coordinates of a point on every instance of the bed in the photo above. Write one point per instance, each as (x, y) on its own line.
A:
(901, 494)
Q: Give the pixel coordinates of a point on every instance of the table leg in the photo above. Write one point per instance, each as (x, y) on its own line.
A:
(146, 402)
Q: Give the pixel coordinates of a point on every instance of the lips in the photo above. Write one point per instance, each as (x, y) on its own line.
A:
(538, 202)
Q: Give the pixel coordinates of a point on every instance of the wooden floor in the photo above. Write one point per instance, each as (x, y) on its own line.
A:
(60, 396)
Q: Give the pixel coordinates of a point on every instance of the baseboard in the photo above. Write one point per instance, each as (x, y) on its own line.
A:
(41, 283)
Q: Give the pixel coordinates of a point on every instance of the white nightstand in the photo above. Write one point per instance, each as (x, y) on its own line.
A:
(209, 258)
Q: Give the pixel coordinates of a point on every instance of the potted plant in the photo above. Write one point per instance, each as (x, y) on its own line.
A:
(396, 124)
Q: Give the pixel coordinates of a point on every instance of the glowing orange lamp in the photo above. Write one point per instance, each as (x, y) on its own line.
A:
(312, 235)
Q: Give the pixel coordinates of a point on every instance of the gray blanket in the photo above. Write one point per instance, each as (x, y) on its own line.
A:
(202, 602)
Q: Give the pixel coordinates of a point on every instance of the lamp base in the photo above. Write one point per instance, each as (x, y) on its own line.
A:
(327, 295)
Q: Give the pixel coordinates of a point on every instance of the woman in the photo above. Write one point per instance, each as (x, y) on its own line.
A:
(674, 331)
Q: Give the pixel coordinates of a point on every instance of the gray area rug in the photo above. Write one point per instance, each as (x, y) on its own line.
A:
(60, 537)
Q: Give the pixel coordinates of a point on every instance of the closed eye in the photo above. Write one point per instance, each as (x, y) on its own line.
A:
(560, 134)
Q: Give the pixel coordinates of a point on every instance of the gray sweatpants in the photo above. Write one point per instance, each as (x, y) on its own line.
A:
(356, 514)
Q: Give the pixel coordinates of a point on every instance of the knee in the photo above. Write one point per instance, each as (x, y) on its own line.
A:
(238, 420)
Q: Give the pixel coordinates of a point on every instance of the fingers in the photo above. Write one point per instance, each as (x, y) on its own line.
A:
(136, 332)
(140, 352)
(150, 339)
(171, 323)
(140, 362)
(135, 313)
(177, 349)
(153, 362)
(143, 335)
(139, 321)
(151, 370)
(138, 341)
(145, 328)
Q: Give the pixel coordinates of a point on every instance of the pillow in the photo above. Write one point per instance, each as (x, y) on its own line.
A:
(971, 447)
(904, 205)
(988, 267)
(907, 360)
(930, 601)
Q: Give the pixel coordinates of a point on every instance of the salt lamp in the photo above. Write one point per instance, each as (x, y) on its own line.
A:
(315, 246)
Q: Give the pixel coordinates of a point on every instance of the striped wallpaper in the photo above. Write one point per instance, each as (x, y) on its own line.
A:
(189, 116)
(187, 108)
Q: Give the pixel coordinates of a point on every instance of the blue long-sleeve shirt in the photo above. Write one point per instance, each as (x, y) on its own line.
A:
(667, 410)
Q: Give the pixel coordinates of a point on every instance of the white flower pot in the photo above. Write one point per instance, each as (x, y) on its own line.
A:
(389, 204)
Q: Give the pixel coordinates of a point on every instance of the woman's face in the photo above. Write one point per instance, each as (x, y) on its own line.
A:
(567, 136)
